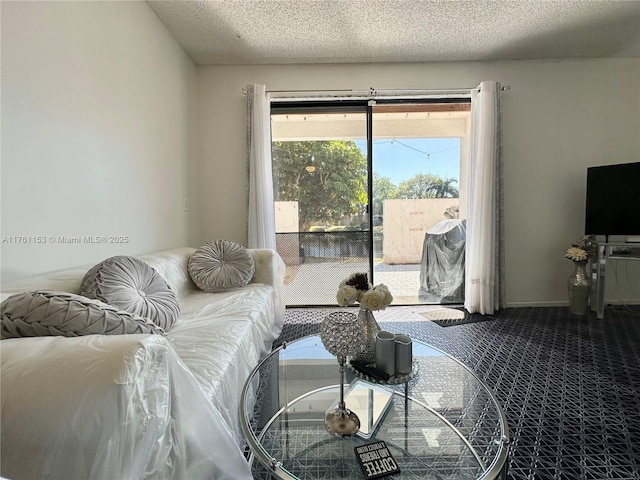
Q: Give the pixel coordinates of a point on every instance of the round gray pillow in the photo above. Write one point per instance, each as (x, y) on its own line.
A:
(48, 313)
(221, 265)
(132, 285)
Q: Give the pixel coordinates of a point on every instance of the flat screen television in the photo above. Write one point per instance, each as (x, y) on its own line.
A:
(613, 200)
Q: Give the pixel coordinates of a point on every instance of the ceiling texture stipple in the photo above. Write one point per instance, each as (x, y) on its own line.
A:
(218, 32)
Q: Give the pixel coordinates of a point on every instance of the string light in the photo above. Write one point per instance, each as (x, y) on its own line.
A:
(428, 154)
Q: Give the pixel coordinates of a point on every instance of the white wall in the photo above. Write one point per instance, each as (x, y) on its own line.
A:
(99, 134)
(558, 118)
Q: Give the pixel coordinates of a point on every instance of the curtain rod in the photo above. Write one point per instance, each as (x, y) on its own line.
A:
(368, 94)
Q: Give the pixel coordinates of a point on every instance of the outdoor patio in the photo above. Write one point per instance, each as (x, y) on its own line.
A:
(316, 283)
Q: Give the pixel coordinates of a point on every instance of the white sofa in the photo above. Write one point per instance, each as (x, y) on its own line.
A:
(139, 406)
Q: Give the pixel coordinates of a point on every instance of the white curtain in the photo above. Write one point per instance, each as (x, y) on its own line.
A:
(261, 218)
(484, 270)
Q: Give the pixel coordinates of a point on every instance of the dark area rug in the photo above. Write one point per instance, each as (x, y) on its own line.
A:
(570, 387)
(300, 322)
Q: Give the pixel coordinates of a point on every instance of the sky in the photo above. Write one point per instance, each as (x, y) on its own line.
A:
(401, 159)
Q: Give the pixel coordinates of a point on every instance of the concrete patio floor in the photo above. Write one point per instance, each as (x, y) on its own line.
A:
(317, 283)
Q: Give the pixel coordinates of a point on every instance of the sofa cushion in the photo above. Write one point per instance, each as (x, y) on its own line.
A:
(46, 313)
(221, 265)
(130, 284)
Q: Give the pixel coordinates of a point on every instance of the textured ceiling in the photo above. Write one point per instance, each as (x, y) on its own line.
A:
(339, 31)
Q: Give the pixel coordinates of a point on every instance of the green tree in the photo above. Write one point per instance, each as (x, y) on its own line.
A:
(427, 185)
(383, 189)
(418, 186)
(336, 187)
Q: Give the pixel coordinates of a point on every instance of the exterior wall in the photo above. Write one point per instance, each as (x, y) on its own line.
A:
(287, 221)
(405, 224)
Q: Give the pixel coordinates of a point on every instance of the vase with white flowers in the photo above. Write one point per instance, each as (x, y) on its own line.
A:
(579, 282)
(357, 289)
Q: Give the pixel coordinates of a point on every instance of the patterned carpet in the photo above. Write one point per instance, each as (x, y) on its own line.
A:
(570, 387)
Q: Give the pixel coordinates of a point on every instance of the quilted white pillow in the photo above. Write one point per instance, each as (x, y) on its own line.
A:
(130, 284)
(221, 265)
(49, 313)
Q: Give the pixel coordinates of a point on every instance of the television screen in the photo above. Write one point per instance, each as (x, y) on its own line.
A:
(613, 200)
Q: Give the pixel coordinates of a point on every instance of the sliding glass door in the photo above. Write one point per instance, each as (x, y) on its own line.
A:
(321, 198)
(417, 155)
(357, 186)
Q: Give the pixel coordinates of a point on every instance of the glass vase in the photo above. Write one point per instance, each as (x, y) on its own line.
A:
(370, 328)
(579, 289)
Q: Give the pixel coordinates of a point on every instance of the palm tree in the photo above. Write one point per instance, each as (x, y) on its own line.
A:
(443, 188)
(418, 186)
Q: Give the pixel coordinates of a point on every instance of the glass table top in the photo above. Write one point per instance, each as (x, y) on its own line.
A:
(443, 424)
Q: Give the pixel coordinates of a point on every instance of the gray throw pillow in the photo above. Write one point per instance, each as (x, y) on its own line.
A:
(132, 285)
(48, 313)
(221, 265)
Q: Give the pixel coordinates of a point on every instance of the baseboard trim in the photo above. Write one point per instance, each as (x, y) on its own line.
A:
(565, 303)
(537, 304)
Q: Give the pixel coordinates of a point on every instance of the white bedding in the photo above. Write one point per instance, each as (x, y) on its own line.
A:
(247, 316)
(139, 406)
(109, 407)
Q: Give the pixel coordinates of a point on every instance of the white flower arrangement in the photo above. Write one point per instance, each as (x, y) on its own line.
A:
(356, 288)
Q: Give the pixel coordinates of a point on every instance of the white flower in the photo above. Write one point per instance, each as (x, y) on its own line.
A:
(576, 254)
(373, 300)
(347, 295)
(356, 288)
(388, 298)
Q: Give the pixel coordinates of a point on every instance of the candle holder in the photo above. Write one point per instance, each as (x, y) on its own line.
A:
(341, 334)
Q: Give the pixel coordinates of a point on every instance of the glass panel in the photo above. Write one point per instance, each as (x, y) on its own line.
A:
(417, 161)
(320, 193)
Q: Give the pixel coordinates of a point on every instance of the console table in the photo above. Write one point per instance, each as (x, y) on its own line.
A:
(608, 251)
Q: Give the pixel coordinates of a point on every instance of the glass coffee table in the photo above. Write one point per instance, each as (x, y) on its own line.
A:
(445, 423)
